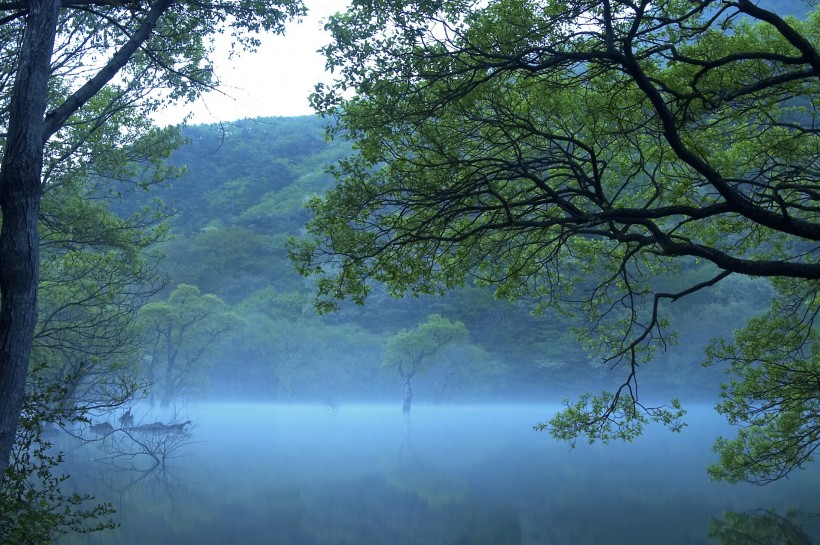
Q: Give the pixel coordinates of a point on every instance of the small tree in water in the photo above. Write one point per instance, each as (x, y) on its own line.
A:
(410, 351)
(182, 333)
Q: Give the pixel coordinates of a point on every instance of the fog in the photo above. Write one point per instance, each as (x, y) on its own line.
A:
(455, 475)
(298, 435)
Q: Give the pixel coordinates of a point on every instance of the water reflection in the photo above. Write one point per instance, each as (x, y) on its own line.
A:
(457, 476)
(764, 527)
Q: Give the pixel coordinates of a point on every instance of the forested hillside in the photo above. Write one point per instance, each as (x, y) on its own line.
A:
(504, 201)
(234, 210)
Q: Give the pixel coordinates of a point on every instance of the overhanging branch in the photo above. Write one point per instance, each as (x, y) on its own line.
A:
(55, 119)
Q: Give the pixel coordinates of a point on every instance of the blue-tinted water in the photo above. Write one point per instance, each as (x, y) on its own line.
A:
(263, 474)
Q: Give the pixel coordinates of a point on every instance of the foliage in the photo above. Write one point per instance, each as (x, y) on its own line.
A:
(772, 390)
(575, 153)
(463, 369)
(34, 507)
(233, 169)
(233, 215)
(181, 337)
(609, 416)
(229, 261)
(412, 351)
(97, 270)
(172, 62)
(240, 200)
(329, 363)
(78, 83)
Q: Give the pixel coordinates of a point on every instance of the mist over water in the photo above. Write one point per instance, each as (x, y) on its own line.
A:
(466, 475)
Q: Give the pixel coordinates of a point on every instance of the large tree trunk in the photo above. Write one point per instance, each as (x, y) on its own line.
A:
(20, 192)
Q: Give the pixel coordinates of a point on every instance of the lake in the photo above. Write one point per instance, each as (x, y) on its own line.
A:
(479, 475)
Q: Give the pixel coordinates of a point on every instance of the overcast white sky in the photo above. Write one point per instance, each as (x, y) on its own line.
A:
(277, 79)
(274, 81)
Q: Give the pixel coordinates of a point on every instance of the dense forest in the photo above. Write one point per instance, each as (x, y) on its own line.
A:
(234, 210)
(497, 202)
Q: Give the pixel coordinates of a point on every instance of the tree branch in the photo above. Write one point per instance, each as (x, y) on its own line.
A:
(795, 38)
(55, 119)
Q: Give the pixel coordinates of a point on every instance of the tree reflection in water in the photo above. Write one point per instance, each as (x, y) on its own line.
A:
(762, 527)
(145, 446)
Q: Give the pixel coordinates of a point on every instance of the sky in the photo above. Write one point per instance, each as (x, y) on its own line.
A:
(277, 79)
(274, 81)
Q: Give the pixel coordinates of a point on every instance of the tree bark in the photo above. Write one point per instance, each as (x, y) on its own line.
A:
(20, 193)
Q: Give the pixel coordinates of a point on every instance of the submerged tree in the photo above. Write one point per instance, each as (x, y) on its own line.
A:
(67, 70)
(180, 338)
(581, 153)
(410, 351)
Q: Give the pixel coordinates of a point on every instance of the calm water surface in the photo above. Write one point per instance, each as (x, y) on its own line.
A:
(296, 475)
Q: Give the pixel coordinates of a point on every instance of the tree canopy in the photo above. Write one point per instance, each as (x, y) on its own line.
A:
(582, 153)
(77, 82)
(411, 351)
(181, 336)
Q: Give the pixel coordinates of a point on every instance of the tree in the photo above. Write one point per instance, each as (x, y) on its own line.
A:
(181, 336)
(772, 393)
(582, 153)
(97, 269)
(35, 507)
(463, 368)
(410, 351)
(69, 69)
